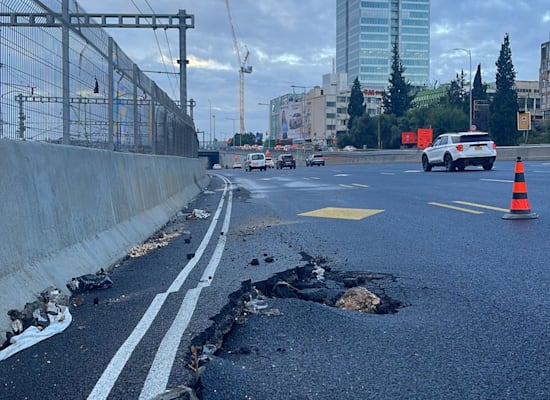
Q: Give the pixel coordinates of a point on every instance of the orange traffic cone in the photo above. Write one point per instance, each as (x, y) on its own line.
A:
(520, 208)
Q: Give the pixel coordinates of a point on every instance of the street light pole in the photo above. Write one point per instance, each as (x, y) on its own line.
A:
(379, 112)
(240, 136)
(214, 124)
(470, 101)
(210, 132)
(269, 120)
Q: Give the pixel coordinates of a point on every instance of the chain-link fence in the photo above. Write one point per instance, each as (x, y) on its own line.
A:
(64, 80)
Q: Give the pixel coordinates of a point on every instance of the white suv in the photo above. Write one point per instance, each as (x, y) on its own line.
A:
(458, 150)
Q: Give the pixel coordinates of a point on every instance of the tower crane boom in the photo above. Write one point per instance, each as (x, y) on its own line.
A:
(243, 68)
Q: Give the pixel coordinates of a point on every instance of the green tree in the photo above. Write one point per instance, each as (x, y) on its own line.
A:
(363, 132)
(504, 107)
(356, 106)
(479, 90)
(242, 139)
(547, 131)
(457, 94)
(398, 98)
(447, 119)
(480, 102)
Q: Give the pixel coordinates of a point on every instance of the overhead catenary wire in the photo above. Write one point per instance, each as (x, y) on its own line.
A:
(170, 82)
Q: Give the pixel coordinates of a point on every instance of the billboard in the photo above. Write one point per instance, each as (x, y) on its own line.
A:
(292, 120)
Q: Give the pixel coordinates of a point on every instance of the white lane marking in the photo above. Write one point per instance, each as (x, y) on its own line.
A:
(466, 210)
(111, 373)
(159, 373)
(409, 171)
(387, 173)
(347, 186)
(360, 185)
(497, 180)
(492, 208)
(341, 175)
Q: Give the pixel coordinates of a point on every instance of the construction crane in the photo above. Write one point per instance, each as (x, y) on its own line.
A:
(243, 69)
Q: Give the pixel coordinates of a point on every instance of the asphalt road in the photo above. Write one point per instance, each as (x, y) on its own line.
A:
(473, 288)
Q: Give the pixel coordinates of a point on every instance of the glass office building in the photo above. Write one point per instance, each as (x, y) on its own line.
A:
(366, 31)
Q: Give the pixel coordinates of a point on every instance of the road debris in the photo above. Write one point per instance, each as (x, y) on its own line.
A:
(359, 299)
(198, 214)
(39, 320)
(89, 282)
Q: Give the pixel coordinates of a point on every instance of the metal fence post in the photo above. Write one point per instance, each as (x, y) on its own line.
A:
(66, 73)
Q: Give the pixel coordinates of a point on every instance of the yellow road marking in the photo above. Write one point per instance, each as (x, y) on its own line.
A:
(467, 210)
(466, 203)
(342, 213)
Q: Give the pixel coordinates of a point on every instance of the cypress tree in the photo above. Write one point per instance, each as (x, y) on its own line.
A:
(504, 107)
(356, 106)
(398, 98)
(480, 102)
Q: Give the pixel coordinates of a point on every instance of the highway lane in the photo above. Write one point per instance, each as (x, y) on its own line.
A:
(123, 342)
(475, 286)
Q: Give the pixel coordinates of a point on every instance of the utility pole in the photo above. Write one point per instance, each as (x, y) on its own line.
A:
(469, 52)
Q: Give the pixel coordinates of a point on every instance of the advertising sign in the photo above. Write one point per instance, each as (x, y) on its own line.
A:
(524, 121)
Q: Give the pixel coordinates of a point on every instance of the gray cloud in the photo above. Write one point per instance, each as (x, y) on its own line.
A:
(293, 43)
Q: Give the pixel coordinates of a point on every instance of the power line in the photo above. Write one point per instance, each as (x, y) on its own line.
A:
(174, 93)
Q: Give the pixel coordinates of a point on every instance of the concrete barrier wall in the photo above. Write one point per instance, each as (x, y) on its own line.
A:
(68, 211)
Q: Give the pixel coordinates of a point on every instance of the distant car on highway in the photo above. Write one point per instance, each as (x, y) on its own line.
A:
(269, 162)
(315, 159)
(286, 161)
(458, 150)
(216, 166)
(349, 148)
(237, 164)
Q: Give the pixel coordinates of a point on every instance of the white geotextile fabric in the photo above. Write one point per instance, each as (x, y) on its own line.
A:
(33, 335)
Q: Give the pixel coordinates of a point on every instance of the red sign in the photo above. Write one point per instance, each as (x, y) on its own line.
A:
(425, 137)
(408, 137)
(372, 92)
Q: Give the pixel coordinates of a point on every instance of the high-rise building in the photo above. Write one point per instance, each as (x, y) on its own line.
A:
(366, 31)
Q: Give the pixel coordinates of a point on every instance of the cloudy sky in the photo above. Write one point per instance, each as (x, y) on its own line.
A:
(292, 42)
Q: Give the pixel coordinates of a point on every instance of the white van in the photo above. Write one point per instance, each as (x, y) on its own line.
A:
(254, 161)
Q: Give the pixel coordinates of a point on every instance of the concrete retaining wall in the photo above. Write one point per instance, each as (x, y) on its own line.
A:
(68, 211)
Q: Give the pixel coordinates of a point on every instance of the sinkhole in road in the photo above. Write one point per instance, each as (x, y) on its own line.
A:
(315, 281)
(352, 290)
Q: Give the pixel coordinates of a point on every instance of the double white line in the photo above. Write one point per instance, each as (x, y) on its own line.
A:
(158, 375)
(468, 210)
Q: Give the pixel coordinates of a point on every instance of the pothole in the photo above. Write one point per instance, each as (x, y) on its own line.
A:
(352, 290)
